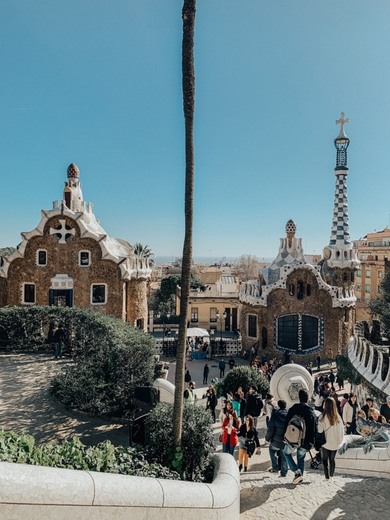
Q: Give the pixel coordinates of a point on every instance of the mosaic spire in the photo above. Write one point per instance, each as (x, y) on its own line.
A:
(340, 227)
(340, 253)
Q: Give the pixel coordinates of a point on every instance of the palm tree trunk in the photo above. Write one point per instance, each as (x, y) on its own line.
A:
(188, 75)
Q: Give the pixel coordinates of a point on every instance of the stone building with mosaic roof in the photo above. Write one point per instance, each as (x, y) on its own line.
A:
(69, 260)
(302, 310)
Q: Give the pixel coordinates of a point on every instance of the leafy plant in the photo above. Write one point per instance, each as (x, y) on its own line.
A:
(73, 454)
(346, 371)
(245, 377)
(194, 457)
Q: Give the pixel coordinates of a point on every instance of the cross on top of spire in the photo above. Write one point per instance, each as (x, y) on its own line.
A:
(342, 121)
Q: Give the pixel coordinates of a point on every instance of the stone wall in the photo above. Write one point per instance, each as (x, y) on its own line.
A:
(137, 304)
(338, 321)
(64, 259)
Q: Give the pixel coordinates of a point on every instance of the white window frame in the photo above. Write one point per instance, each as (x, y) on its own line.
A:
(37, 257)
(23, 293)
(105, 294)
(89, 258)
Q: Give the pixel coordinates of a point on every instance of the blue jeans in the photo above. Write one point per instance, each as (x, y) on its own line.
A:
(226, 448)
(300, 464)
(278, 460)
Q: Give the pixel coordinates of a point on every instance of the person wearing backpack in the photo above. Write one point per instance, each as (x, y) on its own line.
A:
(299, 432)
(254, 404)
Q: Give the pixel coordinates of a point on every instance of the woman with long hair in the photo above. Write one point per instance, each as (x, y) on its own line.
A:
(332, 426)
(211, 401)
(230, 427)
(248, 442)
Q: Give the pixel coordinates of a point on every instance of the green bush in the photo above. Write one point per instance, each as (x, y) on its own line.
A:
(194, 459)
(346, 371)
(110, 356)
(245, 377)
(73, 454)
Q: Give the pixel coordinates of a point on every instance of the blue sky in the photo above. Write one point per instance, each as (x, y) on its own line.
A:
(98, 83)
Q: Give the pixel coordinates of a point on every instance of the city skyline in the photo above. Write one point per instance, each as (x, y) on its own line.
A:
(99, 84)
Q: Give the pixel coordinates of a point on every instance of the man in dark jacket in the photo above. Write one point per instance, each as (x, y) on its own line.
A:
(303, 410)
(274, 436)
(254, 404)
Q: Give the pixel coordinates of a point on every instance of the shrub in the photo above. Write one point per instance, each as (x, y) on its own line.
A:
(73, 454)
(346, 371)
(195, 457)
(110, 356)
(245, 377)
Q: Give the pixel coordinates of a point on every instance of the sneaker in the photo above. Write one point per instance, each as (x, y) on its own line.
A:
(283, 476)
(271, 470)
(298, 477)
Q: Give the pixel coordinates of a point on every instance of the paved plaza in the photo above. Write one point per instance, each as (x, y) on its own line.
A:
(26, 406)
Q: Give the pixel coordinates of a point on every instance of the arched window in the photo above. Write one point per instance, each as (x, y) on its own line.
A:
(308, 289)
(300, 290)
(291, 289)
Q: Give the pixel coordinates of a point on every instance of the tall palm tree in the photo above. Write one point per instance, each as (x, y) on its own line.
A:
(188, 79)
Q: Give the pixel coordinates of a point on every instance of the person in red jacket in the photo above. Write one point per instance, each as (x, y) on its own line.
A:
(230, 427)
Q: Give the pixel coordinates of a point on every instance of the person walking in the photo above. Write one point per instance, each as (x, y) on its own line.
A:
(58, 338)
(206, 372)
(303, 410)
(230, 427)
(248, 443)
(222, 365)
(274, 436)
(331, 424)
(351, 410)
(211, 402)
(254, 404)
(189, 393)
(187, 377)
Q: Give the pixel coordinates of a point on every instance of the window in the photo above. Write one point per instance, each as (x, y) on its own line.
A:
(41, 257)
(291, 289)
(252, 326)
(99, 293)
(367, 288)
(359, 273)
(300, 290)
(299, 332)
(84, 258)
(213, 314)
(368, 273)
(29, 293)
(358, 287)
(308, 289)
(380, 274)
(194, 314)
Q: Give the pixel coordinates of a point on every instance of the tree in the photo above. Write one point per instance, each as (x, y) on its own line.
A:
(247, 267)
(188, 83)
(144, 252)
(380, 306)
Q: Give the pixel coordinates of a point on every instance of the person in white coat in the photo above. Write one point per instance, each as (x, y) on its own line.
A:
(332, 425)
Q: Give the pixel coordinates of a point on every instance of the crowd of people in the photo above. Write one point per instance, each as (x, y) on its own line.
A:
(325, 419)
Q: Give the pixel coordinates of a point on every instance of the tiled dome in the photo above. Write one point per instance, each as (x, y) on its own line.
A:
(73, 171)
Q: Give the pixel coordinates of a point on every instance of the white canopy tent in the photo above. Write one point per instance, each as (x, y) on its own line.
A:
(197, 332)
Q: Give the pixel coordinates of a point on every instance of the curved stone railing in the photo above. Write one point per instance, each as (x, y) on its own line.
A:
(37, 492)
(371, 361)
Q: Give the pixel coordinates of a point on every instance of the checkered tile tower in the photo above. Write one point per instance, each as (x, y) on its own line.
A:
(340, 253)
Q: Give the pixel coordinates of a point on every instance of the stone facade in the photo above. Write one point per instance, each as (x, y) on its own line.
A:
(69, 260)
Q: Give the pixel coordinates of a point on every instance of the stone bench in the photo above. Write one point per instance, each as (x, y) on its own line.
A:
(37, 492)
(376, 461)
